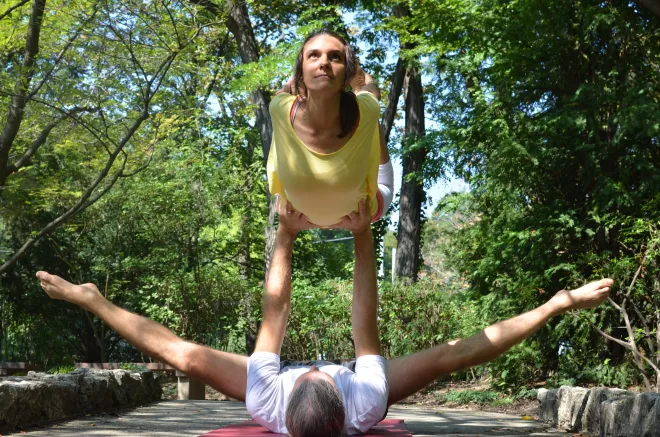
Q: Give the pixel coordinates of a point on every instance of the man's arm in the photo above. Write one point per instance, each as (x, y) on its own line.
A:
(364, 311)
(365, 296)
(277, 294)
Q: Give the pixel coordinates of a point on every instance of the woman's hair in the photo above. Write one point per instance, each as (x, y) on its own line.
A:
(348, 106)
(315, 409)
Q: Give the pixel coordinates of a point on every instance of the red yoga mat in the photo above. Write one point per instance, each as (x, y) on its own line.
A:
(250, 428)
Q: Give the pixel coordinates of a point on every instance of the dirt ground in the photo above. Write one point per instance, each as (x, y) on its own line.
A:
(428, 397)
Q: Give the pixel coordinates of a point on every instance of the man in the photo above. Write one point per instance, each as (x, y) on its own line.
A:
(322, 399)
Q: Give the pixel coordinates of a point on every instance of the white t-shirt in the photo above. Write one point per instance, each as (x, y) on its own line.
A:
(364, 391)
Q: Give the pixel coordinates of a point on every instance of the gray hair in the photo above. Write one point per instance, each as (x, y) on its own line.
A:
(315, 409)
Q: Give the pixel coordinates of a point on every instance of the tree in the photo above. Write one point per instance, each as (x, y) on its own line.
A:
(408, 257)
(100, 39)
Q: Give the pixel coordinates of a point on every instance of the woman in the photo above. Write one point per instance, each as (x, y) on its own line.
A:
(327, 143)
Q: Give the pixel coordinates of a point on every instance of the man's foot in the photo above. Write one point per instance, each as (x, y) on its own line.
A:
(588, 296)
(58, 288)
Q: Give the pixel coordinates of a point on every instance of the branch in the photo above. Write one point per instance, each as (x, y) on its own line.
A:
(8, 11)
(84, 201)
(26, 159)
(176, 32)
(647, 331)
(209, 6)
(393, 98)
(60, 55)
(624, 344)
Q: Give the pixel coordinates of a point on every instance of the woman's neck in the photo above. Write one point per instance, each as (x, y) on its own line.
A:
(321, 112)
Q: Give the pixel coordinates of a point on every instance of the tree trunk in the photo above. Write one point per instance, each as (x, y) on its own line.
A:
(393, 98)
(651, 5)
(19, 100)
(380, 228)
(238, 22)
(412, 189)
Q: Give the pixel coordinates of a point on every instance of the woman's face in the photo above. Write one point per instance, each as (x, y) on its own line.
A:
(324, 64)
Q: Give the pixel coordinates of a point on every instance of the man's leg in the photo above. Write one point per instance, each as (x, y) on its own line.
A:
(407, 375)
(223, 371)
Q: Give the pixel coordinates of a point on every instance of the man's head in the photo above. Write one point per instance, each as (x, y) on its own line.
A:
(316, 407)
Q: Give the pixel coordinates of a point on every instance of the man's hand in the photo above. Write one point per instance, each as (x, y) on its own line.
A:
(57, 288)
(356, 222)
(292, 221)
(588, 296)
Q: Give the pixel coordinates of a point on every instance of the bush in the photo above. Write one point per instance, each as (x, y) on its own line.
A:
(411, 318)
(61, 369)
(480, 397)
(132, 367)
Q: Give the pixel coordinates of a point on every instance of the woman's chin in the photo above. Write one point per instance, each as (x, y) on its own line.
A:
(322, 91)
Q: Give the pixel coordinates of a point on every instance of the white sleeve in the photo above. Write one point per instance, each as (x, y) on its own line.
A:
(370, 390)
(263, 388)
(386, 184)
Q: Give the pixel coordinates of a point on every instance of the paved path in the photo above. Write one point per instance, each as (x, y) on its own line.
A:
(192, 418)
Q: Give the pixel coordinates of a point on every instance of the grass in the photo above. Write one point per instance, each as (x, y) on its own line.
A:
(61, 369)
(480, 397)
(484, 397)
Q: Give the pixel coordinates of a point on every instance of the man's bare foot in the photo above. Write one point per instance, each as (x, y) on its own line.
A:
(57, 288)
(588, 296)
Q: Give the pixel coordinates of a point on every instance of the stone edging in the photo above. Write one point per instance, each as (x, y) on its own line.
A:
(604, 411)
(38, 398)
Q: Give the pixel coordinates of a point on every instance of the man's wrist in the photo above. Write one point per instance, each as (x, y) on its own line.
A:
(363, 234)
(284, 231)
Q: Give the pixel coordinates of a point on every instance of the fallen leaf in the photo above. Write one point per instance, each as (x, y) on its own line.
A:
(527, 417)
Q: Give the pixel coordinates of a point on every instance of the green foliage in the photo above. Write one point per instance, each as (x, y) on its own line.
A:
(480, 397)
(59, 370)
(548, 109)
(131, 367)
(418, 316)
(526, 393)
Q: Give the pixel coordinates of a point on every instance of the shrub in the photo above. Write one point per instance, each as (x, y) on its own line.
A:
(480, 397)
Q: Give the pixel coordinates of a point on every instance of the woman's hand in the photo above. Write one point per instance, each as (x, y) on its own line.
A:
(287, 87)
(362, 81)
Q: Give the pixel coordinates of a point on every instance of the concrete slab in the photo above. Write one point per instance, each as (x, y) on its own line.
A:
(425, 421)
(193, 418)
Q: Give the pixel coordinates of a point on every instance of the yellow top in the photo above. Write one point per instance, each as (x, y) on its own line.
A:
(324, 187)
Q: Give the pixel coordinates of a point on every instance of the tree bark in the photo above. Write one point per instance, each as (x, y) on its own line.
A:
(651, 5)
(412, 189)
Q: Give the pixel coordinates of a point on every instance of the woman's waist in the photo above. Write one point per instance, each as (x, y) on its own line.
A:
(327, 208)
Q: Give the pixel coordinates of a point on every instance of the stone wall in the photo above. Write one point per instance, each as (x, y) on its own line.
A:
(38, 398)
(602, 411)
